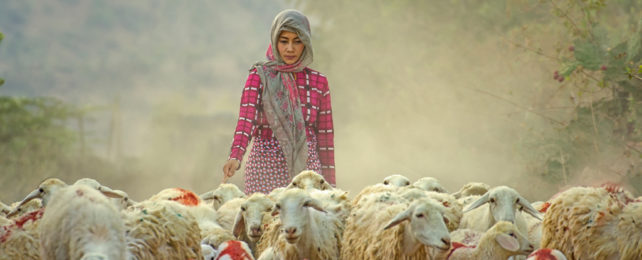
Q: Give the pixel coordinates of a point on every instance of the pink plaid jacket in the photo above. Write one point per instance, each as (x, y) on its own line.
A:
(314, 94)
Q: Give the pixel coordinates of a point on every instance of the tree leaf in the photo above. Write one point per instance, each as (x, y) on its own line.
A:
(589, 55)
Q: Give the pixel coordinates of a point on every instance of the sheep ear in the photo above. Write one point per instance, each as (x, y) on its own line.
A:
(457, 194)
(207, 195)
(109, 193)
(529, 208)
(401, 217)
(239, 224)
(312, 203)
(344, 195)
(35, 194)
(275, 211)
(481, 201)
(507, 242)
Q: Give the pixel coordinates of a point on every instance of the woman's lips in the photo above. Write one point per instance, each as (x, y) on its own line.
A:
(290, 57)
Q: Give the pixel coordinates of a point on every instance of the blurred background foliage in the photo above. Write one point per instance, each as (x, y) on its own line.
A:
(565, 76)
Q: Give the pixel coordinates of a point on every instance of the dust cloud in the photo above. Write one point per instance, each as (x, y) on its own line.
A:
(417, 89)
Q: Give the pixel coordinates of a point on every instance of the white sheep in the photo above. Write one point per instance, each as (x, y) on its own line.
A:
(472, 188)
(51, 185)
(205, 215)
(499, 203)
(302, 230)
(384, 226)
(429, 184)
(223, 193)
(501, 241)
(396, 180)
(118, 197)
(453, 209)
(80, 222)
(593, 223)
(252, 218)
(43, 192)
(161, 229)
(546, 254)
(309, 180)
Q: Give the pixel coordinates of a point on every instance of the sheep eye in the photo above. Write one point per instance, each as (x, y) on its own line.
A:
(517, 201)
(243, 208)
(512, 234)
(446, 221)
(278, 206)
(41, 190)
(407, 183)
(385, 182)
(321, 181)
(420, 215)
(492, 200)
(268, 209)
(294, 184)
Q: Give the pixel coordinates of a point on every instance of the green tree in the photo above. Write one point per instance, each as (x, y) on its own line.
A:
(600, 61)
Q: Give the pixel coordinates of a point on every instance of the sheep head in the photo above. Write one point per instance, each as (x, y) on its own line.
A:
(294, 208)
(396, 180)
(502, 203)
(426, 223)
(472, 188)
(429, 184)
(43, 192)
(222, 194)
(253, 214)
(507, 236)
(309, 180)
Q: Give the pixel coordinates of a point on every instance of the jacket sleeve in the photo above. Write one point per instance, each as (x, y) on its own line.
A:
(325, 134)
(248, 113)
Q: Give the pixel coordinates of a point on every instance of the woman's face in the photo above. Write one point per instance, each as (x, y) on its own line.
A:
(290, 47)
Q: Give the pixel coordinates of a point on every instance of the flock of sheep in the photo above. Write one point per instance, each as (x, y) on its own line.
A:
(309, 219)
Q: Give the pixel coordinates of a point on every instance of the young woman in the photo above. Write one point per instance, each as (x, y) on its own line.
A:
(285, 107)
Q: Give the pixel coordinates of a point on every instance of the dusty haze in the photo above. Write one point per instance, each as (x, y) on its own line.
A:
(416, 90)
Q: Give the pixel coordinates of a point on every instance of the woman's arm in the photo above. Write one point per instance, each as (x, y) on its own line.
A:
(325, 134)
(250, 99)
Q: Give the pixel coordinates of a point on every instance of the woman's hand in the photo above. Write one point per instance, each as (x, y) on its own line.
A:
(230, 168)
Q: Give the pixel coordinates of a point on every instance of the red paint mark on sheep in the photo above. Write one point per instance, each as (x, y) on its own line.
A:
(456, 245)
(6, 233)
(545, 207)
(186, 198)
(7, 229)
(543, 254)
(234, 250)
(34, 215)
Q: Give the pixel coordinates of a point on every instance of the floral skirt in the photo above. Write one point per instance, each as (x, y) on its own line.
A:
(266, 168)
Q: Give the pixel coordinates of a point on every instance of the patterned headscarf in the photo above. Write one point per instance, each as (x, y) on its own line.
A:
(281, 102)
